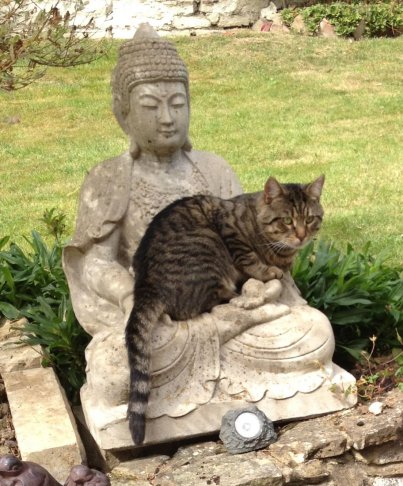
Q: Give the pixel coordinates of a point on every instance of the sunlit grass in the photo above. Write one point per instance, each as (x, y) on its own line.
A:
(290, 106)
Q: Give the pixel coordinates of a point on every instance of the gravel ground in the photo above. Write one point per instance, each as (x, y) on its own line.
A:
(8, 442)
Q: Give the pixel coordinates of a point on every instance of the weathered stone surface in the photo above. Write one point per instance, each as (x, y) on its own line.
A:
(278, 26)
(226, 470)
(388, 470)
(226, 21)
(187, 454)
(384, 482)
(365, 430)
(382, 454)
(13, 354)
(43, 421)
(193, 22)
(123, 17)
(344, 471)
(143, 469)
(262, 25)
(308, 440)
(311, 472)
(326, 29)
(298, 25)
(316, 451)
(269, 12)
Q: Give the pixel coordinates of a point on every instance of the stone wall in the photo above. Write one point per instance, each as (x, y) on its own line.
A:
(350, 448)
(122, 17)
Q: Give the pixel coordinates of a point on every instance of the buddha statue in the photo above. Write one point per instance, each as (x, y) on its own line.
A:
(266, 347)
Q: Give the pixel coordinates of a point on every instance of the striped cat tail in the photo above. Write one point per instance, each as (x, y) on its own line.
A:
(145, 314)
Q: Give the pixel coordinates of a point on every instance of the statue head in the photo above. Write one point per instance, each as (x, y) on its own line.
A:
(150, 88)
(10, 465)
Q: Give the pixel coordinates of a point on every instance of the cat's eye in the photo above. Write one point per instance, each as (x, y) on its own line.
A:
(309, 219)
(287, 220)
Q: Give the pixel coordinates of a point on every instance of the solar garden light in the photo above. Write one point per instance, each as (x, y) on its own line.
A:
(246, 429)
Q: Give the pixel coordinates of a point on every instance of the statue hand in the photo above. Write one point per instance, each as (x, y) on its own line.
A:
(256, 293)
(256, 305)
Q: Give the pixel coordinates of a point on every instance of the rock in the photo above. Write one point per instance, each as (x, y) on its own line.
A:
(298, 25)
(268, 12)
(227, 20)
(247, 429)
(375, 408)
(387, 471)
(196, 452)
(367, 430)
(14, 355)
(346, 472)
(382, 454)
(225, 470)
(12, 120)
(4, 409)
(262, 26)
(279, 29)
(311, 472)
(360, 29)
(314, 438)
(316, 451)
(139, 469)
(326, 29)
(278, 26)
(193, 22)
(4, 449)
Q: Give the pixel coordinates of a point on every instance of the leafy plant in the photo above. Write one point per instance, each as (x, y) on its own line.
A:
(377, 375)
(360, 294)
(33, 285)
(34, 37)
(381, 18)
(55, 222)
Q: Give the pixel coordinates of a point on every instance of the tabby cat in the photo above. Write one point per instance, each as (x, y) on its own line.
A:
(197, 253)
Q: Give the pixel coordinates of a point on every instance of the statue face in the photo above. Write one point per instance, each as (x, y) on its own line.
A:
(158, 119)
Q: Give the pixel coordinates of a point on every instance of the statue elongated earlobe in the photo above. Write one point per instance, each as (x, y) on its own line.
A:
(272, 189)
(314, 189)
(134, 149)
(187, 146)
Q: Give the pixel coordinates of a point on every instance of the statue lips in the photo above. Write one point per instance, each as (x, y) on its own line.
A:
(168, 133)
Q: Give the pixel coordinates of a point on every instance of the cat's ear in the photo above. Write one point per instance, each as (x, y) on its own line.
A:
(272, 189)
(314, 189)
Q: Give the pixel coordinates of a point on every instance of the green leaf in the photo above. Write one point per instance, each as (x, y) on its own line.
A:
(4, 241)
(9, 311)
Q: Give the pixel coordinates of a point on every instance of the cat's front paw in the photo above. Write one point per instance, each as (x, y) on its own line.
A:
(274, 272)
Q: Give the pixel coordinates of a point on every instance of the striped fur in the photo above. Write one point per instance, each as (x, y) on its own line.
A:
(197, 253)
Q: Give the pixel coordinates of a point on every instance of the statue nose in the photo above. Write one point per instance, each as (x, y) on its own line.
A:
(165, 115)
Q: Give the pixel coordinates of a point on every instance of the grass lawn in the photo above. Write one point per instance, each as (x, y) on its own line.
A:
(289, 106)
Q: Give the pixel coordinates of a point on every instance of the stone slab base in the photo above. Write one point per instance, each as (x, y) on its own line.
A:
(43, 422)
(110, 428)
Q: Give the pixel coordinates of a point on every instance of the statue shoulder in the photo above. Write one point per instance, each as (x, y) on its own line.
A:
(104, 198)
(114, 169)
(220, 175)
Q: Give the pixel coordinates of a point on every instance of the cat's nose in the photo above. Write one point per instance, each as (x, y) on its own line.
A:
(300, 233)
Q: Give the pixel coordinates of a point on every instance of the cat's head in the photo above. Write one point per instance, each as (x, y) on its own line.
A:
(292, 213)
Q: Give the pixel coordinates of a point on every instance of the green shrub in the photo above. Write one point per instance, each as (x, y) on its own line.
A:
(33, 285)
(381, 18)
(360, 294)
